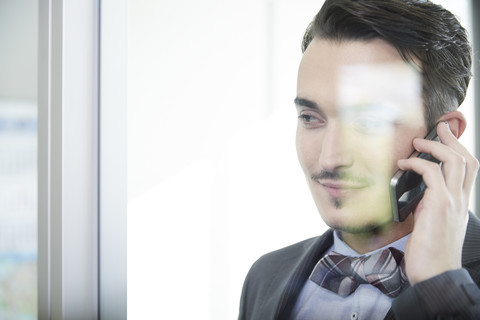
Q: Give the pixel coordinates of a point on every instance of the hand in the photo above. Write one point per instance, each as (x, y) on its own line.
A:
(440, 219)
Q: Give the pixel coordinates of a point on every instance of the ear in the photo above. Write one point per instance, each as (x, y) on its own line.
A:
(457, 122)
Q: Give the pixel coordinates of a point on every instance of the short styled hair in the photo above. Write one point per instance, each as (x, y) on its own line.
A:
(421, 31)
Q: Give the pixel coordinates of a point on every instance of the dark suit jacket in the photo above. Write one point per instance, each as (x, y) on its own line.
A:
(276, 279)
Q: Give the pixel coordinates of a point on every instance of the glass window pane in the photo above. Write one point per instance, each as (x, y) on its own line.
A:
(18, 159)
(213, 178)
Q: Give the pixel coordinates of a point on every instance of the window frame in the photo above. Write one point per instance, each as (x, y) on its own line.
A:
(475, 5)
(82, 275)
(113, 160)
(67, 185)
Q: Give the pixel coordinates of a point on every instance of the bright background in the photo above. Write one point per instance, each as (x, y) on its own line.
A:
(212, 171)
(18, 159)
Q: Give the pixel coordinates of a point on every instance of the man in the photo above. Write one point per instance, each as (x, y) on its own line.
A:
(439, 273)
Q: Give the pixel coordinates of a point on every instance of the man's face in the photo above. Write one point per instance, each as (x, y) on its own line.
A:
(347, 143)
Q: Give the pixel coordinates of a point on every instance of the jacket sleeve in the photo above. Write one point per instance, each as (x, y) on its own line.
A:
(450, 295)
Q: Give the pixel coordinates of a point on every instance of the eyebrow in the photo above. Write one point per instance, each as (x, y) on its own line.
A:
(302, 102)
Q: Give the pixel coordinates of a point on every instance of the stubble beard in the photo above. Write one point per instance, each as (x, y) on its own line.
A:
(337, 203)
(369, 227)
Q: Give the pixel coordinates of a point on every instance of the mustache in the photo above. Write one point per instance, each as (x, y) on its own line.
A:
(338, 175)
(330, 175)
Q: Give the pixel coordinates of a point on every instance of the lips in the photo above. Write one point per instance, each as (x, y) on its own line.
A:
(340, 189)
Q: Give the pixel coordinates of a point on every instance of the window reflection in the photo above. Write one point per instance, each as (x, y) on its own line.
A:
(213, 177)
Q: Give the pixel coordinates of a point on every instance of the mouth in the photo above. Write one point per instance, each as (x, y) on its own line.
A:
(340, 189)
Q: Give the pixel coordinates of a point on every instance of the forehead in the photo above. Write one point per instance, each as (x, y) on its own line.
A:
(318, 71)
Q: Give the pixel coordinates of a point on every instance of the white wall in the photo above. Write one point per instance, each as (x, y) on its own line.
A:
(213, 177)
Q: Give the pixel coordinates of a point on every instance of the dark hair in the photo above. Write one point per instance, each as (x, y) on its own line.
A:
(420, 30)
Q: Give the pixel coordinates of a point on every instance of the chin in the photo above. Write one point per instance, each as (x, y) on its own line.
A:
(354, 220)
(364, 211)
(359, 228)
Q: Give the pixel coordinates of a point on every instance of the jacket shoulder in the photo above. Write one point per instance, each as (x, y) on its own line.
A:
(269, 275)
(287, 253)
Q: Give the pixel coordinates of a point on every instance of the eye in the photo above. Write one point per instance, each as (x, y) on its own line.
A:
(311, 120)
(370, 124)
(369, 119)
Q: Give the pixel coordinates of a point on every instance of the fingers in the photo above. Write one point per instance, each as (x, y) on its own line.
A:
(430, 171)
(453, 163)
(469, 161)
(458, 170)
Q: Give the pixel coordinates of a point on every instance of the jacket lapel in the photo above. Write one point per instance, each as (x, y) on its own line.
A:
(300, 273)
(390, 315)
(471, 249)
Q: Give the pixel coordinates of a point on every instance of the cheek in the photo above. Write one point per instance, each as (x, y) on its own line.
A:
(403, 143)
(308, 150)
(303, 150)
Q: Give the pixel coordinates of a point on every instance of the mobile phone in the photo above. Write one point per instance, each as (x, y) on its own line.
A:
(407, 187)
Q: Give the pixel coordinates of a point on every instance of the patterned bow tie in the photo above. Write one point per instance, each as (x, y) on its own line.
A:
(384, 269)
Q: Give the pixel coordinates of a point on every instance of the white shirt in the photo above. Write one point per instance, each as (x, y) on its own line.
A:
(367, 302)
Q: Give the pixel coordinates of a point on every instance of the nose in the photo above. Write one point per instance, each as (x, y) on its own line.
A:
(334, 154)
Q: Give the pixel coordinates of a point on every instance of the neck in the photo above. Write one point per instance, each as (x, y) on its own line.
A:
(364, 242)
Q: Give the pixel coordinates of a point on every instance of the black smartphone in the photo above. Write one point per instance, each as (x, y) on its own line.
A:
(407, 187)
